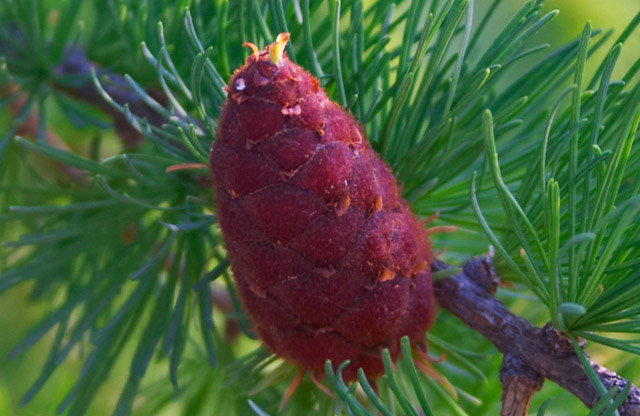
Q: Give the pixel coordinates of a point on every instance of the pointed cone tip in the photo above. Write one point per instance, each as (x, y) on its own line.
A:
(276, 49)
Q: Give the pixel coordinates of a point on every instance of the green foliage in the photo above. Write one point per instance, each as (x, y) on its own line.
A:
(353, 406)
(574, 214)
(126, 254)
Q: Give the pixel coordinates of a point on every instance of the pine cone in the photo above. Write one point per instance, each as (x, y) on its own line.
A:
(329, 261)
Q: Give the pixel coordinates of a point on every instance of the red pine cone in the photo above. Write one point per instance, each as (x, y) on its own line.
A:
(328, 259)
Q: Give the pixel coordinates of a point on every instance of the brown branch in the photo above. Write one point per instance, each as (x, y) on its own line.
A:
(78, 67)
(73, 77)
(519, 383)
(528, 350)
(221, 299)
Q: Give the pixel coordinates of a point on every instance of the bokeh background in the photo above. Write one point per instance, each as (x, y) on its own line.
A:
(18, 314)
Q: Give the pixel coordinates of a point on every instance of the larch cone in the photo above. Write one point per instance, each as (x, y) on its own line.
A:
(328, 260)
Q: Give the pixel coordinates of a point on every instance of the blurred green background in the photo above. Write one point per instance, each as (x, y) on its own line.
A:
(18, 314)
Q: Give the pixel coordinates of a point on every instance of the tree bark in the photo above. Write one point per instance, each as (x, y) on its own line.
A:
(532, 354)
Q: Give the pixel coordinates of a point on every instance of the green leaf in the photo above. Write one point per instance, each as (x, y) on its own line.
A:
(70, 159)
(258, 411)
(593, 376)
(371, 394)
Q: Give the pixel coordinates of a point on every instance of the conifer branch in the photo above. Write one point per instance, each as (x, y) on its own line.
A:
(469, 295)
(519, 383)
(431, 136)
(29, 128)
(76, 65)
(79, 66)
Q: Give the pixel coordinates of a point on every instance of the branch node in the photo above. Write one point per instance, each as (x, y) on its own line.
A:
(469, 295)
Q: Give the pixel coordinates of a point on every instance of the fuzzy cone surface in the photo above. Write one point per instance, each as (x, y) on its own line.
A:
(328, 259)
